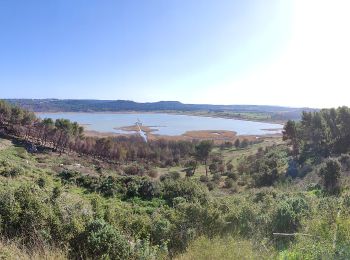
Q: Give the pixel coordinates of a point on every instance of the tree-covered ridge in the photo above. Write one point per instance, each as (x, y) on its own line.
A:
(236, 111)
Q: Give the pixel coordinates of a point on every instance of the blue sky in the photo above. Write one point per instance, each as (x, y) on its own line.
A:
(208, 51)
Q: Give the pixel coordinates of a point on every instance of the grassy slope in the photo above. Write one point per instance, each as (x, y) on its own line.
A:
(47, 166)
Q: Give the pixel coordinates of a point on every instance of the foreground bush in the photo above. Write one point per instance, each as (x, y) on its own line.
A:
(100, 241)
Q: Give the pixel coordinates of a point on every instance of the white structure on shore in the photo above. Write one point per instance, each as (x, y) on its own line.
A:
(141, 132)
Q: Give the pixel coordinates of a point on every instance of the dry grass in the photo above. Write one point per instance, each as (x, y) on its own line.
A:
(224, 248)
(11, 251)
(100, 134)
(218, 136)
(135, 128)
(212, 134)
(4, 143)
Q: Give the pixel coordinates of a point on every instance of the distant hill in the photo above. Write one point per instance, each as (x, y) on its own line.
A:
(74, 105)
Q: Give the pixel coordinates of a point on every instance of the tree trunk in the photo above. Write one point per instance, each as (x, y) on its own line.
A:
(206, 169)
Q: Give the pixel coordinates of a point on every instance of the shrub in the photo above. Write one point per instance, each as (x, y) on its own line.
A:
(134, 169)
(88, 181)
(56, 193)
(7, 169)
(216, 177)
(242, 219)
(287, 216)
(229, 183)
(174, 175)
(189, 172)
(211, 185)
(244, 143)
(266, 177)
(41, 182)
(149, 189)
(100, 241)
(229, 167)
(330, 174)
(13, 171)
(160, 231)
(345, 161)
(232, 175)
(204, 178)
(264, 193)
(186, 188)
(153, 173)
(110, 187)
(24, 212)
(69, 176)
(292, 170)
(143, 249)
(213, 167)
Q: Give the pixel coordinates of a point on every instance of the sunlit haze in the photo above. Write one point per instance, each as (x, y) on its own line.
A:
(288, 53)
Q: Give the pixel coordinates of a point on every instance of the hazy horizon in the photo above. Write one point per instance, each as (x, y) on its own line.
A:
(277, 53)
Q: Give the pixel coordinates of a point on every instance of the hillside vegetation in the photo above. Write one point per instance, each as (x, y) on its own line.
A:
(67, 196)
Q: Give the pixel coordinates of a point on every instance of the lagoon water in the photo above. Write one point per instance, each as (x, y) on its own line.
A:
(167, 124)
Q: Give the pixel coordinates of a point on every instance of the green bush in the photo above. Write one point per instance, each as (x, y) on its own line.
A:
(287, 217)
(13, 171)
(174, 175)
(345, 161)
(109, 187)
(216, 177)
(229, 183)
(242, 219)
(149, 189)
(211, 185)
(232, 175)
(100, 241)
(188, 189)
(8, 169)
(160, 231)
(69, 176)
(204, 178)
(24, 212)
(134, 169)
(330, 174)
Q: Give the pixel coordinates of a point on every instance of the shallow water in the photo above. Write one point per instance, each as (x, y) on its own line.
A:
(167, 124)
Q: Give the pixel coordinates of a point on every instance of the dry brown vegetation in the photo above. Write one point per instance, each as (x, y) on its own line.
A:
(218, 136)
(12, 251)
(135, 128)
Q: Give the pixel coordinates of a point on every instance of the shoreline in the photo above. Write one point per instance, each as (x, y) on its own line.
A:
(169, 112)
(218, 136)
(151, 131)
